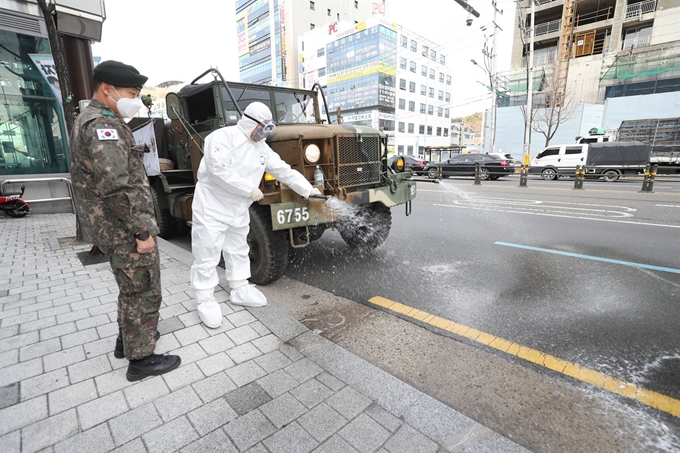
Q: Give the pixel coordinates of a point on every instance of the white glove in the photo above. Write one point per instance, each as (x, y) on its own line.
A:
(256, 194)
(315, 191)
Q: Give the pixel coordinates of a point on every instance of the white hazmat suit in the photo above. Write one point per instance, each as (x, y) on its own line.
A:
(229, 177)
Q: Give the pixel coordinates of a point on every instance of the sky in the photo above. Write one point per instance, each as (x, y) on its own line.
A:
(167, 40)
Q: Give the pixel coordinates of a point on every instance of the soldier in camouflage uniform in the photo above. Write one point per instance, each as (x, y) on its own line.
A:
(116, 212)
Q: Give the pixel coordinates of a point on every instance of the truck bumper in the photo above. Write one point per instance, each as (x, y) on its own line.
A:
(312, 212)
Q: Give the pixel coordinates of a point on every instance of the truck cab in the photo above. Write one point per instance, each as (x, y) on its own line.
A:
(353, 160)
(558, 160)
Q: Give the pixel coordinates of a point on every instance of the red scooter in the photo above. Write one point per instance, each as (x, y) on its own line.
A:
(12, 204)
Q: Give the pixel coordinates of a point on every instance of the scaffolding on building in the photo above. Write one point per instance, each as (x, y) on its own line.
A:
(654, 61)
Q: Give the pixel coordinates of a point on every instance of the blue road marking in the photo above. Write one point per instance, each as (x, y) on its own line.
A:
(589, 257)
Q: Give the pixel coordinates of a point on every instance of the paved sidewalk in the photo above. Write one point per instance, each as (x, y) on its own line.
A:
(261, 383)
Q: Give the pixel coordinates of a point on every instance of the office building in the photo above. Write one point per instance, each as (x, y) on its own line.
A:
(267, 33)
(383, 75)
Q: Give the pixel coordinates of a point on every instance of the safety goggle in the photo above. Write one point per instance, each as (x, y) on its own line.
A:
(266, 125)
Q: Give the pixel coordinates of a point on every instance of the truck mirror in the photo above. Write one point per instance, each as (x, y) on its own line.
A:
(172, 105)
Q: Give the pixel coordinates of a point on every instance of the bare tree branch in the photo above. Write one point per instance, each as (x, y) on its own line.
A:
(547, 120)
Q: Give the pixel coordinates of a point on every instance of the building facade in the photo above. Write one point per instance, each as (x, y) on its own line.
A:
(267, 33)
(32, 132)
(381, 75)
(620, 48)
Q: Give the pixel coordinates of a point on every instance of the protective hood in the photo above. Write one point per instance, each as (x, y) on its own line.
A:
(258, 111)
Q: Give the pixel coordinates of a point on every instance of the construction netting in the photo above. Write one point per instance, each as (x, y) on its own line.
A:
(639, 64)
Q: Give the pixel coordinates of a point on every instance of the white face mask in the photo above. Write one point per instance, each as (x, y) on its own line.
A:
(127, 107)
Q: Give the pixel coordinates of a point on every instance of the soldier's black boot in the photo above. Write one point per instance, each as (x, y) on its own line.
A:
(118, 352)
(152, 365)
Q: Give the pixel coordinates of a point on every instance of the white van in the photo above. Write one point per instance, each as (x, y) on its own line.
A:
(558, 160)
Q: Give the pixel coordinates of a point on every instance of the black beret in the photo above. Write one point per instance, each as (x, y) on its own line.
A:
(119, 74)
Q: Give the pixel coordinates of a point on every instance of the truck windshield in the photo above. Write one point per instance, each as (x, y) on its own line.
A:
(294, 107)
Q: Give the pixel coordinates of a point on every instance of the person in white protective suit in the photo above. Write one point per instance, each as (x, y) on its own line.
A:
(234, 161)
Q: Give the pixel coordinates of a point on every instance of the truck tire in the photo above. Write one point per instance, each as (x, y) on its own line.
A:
(368, 229)
(268, 249)
(610, 176)
(165, 222)
(549, 174)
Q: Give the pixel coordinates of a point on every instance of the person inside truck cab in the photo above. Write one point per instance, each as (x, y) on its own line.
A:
(234, 162)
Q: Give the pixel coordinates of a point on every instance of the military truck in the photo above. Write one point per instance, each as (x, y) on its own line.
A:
(353, 159)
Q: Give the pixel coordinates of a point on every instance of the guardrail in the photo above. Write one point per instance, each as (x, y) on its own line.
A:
(546, 27)
(636, 10)
(67, 181)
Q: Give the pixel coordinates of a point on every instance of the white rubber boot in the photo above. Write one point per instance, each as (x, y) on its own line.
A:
(208, 309)
(246, 294)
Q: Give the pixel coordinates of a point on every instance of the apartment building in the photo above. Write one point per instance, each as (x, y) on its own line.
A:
(267, 33)
(382, 75)
(623, 63)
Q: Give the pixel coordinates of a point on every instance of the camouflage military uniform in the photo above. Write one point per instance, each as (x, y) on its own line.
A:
(114, 203)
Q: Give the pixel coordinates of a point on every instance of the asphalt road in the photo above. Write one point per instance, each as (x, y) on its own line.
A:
(482, 256)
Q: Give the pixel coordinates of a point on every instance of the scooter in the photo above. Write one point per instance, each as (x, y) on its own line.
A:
(12, 204)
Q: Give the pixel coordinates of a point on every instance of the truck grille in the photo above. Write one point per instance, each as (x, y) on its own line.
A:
(359, 162)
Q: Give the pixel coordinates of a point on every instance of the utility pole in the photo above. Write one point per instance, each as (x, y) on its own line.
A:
(524, 176)
(490, 66)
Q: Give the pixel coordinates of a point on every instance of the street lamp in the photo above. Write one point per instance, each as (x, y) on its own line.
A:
(492, 81)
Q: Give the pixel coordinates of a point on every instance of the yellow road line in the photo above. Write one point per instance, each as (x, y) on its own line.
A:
(611, 384)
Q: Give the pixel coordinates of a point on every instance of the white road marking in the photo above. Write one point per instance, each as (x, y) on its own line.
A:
(668, 205)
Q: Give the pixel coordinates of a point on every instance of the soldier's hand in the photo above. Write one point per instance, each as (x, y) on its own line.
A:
(146, 246)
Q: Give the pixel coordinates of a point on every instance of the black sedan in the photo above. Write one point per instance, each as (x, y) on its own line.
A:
(417, 166)
(491, 167)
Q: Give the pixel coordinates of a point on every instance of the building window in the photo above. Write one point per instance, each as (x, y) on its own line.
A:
(429, 130)
(439, 132)
(329, 12)
(412, 87)
(320, 52)
(410, 150)
(432, 73)
(421, 129)
(433, 55)
(431, 92)
(425, 49)
(440, 95)
(338, 16)
(446, 132)
(356, 5)
(439, 111)
(31, 121)
(447, 97)
(402, 84)
(414, 46)
(413, 66)
(441, 77)
(400, 149)
(404, 41)
(411, 106)
(430, 110)
(311, 6)
(411, 128)
(423, 70)
(402, 126)
(322, 72)
(423, 90)
(442, 59)
(402, 63)
(312, 26)
(402, 104)
(422, 108)
(446, 113)
(448, 80)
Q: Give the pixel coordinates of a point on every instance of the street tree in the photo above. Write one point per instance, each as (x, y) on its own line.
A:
(552, 107)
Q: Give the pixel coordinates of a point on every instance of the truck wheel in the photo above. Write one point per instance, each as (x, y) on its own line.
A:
(268, 249)
(368, 228)
(549, 174)
(610, 176)
(165, 222)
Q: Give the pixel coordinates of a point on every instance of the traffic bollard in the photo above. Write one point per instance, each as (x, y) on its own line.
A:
(439, 172)
(645, 182)
(523, 175)
(579, 176)
(652, 176)
(478, 174)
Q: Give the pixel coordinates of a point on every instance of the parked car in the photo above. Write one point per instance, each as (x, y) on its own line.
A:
(492, 167)
(417, 166)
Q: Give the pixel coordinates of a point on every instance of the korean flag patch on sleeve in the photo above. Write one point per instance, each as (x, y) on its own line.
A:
(107, 134)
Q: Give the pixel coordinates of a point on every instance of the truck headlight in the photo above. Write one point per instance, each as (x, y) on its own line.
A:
(312, 153)
(399, 164)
